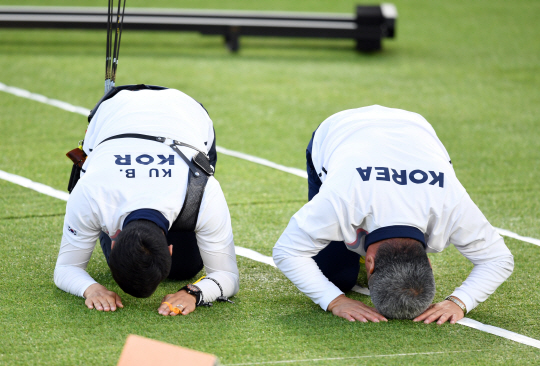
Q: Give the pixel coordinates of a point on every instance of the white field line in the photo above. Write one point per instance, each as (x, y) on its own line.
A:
(516, 337)
(43, 99)
(298, 172)
(518, 237)
(27, 183)
(85, 112)
(49, 191)
(244, 251)
(468, 322)
(256, 256)
(361, 290)
(351, 358)
(261, 161)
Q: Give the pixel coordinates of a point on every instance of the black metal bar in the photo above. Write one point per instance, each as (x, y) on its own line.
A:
(368, 26)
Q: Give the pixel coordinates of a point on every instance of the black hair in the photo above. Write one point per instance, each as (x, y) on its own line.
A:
(402, 285)
(140, 259)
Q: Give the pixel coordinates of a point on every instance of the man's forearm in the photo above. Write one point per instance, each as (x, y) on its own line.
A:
(70, 272)
(73, 280)
(483, 280)
(308, 278)
(293, 255)
(479, 242)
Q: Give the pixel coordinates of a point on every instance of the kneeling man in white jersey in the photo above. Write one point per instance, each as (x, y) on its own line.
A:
(381, 185)
(147, 191)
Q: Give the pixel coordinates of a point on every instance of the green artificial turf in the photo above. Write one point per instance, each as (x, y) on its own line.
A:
(471, 68)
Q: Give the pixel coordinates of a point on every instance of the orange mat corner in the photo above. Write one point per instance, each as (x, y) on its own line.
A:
(141, 351)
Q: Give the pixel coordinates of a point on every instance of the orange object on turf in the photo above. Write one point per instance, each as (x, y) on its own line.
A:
(140, 351)
(174, 310)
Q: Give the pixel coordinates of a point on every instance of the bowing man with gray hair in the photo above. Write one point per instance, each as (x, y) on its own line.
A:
(381, 185)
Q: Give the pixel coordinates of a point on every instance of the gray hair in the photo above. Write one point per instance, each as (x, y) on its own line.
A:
(402, 284)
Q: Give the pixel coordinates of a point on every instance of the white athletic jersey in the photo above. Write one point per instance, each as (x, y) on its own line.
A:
(124, 175)
(382, 167)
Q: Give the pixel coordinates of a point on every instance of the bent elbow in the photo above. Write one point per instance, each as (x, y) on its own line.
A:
(278, 255)
(57, 277)
(506, 265)
(510, 264)
(236, 286)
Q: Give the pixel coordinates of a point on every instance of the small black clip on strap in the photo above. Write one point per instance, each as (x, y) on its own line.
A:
(191, 166)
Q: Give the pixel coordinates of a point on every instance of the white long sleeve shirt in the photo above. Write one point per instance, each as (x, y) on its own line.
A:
(124, 175)
(382, 167)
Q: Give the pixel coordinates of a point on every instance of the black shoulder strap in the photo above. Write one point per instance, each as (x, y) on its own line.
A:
(187, 219)
(74, 177)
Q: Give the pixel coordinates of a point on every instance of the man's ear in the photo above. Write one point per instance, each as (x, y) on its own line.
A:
(112, 244)
(429, 260)
(370, 264)
(170, 249)
(371, 252)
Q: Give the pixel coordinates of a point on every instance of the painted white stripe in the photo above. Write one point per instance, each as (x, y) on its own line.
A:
(298, 172)
(500, 332)
(480, 326)
(49, 191)
(254, 159)
(256, 256)
(244, 251)
(361, 290)
(261, 161)
(518, 237)
(85, 112)
(351, 358)
(27, 183)
(43, 99)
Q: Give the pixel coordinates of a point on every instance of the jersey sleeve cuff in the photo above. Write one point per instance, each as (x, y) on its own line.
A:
(328, 297)
(84, 287)
(465, 298)
(209, 289)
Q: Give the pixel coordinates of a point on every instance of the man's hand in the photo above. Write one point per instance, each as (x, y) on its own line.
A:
(99, 298)
(353, 310)
(181, 300)
(441, 312)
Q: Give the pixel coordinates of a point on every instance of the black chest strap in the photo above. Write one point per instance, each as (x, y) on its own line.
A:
(187, 218)
(200, 171)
